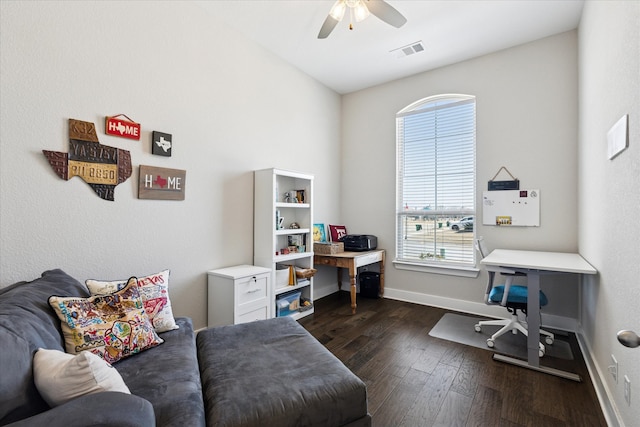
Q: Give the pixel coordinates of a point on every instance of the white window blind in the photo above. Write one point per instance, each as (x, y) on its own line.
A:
(436, 139)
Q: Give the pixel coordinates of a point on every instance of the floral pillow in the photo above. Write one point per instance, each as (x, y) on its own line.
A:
(113, 326)
(154, 290)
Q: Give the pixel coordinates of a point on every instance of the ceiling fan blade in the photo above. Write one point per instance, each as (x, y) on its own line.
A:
(385, 12)
(328, 26)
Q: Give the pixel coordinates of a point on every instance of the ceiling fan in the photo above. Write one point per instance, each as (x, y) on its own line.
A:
(360, 9)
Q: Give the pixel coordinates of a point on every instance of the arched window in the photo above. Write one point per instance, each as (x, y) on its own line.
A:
(436, 162)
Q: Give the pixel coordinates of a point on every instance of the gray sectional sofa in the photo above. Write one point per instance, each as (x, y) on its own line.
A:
(164, 381)
(265, 373)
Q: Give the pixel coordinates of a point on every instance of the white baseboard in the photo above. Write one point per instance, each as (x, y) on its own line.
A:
(323, 291)
(471, 307)
(609, 409)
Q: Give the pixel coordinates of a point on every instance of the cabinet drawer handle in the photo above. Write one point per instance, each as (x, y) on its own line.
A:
(253, 291)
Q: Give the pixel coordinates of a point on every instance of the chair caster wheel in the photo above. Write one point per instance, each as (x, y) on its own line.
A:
(548, 340)
(490, 343)
(478, 328)
(541, 351)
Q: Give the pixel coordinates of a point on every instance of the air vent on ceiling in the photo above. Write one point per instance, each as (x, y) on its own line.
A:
(409, 49)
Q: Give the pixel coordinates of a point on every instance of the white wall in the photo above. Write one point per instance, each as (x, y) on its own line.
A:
(609, 190)
(527, 120)
(231, 107)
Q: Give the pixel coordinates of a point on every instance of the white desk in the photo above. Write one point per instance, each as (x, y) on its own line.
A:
(534, 264)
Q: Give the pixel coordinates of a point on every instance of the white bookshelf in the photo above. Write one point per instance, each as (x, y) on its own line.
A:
(270, 187)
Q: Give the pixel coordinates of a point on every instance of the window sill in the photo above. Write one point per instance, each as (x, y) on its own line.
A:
(437, 269)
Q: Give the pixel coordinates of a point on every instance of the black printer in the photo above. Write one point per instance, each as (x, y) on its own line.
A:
(359, 242)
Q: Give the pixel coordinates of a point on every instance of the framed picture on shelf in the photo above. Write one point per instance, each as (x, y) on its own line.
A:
(319, 233)
(336, 232)
(294, 240)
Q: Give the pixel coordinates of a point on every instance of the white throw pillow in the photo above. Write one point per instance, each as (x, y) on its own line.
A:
(61, 377)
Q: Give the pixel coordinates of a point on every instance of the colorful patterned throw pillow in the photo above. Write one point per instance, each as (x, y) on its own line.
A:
(154, 290)
(113, 326)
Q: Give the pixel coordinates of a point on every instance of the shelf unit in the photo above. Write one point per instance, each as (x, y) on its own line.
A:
(270, 187)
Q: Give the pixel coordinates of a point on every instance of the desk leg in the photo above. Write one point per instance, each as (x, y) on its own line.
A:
(339, 278)
(352, 275)
(382, 276)
(533, 338)
(533, 318)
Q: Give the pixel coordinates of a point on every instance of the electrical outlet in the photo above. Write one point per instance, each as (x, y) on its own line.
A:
(614, 368)
(627, 390)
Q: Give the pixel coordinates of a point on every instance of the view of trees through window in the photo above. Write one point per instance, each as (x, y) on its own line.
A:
(436, 180)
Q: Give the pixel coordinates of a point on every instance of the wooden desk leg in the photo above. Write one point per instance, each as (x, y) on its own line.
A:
(352, 275)
(382, 276)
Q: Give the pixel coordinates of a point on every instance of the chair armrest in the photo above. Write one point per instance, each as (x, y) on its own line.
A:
(104, 409)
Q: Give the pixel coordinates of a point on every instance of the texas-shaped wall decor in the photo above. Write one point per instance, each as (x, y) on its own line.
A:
(100, 166)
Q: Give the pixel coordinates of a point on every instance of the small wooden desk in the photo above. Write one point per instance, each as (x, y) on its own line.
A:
(353, 260)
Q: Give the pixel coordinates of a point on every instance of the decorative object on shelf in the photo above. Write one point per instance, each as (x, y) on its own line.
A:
(123, 128)
(294, 240)
(291, 197)
(100, 166)
(337, 232)
(305, 304)
(292, 276)
(319, 233)
(161, 183)
(161, 143)
(294, 226)
(300, 195)
(305, 273)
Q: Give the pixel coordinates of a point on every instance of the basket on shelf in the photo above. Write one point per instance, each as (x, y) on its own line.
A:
(305, 273)
(305, 304)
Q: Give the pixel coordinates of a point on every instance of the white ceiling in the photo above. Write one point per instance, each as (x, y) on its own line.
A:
(347, 61)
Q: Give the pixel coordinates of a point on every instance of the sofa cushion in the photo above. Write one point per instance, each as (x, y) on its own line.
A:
(154, 290)
(61, 376)
(38, 327)
(113, 326)
(168, 377)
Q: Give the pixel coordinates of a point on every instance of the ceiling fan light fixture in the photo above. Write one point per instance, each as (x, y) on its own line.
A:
(360, 11)
(338, 10)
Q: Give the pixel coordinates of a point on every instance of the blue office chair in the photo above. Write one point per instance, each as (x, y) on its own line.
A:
(513, 298)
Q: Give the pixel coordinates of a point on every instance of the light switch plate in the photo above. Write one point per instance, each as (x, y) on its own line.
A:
(618, 137)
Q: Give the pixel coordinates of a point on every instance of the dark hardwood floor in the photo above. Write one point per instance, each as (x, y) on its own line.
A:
(417, 380)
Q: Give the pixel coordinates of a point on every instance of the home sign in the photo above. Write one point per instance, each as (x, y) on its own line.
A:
(161, 183)
(123, 128)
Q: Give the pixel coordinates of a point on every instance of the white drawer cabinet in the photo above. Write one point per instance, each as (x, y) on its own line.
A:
(238, 294)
